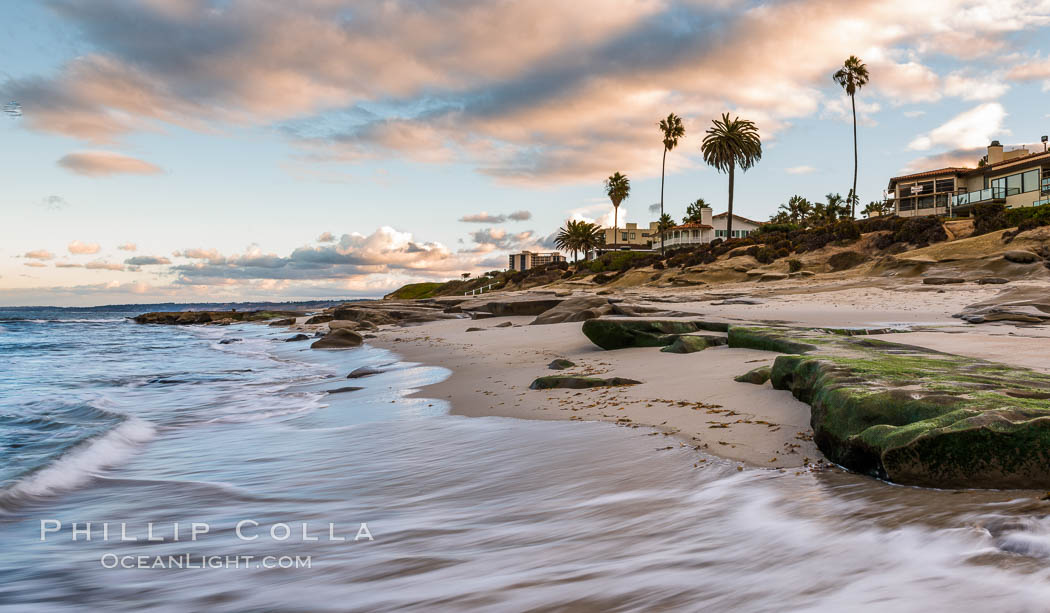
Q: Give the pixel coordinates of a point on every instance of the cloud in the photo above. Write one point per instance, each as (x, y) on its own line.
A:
(956, 158)
(39, 254)
(35, 264)
(520, 216)
(1034, 70)
(53, 203)
(498, 238)
(128, 247)
(103, 265)
(79, 248)
(524, 92)
(800, 170)
(483, 217)
(913, 114)
(326, 237)
(105, 163)
(967, 130)
(841, 109)
(376, 259)
(147, 260)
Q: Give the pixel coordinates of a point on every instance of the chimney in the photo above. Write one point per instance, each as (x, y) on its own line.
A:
(705, 215)
(995, 152)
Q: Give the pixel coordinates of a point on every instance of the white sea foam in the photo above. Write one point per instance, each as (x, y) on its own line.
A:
(79, 465)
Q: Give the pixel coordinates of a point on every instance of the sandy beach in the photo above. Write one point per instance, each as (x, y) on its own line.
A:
(692, 399)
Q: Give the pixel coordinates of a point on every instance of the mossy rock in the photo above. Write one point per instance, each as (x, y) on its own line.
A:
(756, 376)
(691, 343)
(577, 382)
(561, 364)
(621, 333)
(913, 415)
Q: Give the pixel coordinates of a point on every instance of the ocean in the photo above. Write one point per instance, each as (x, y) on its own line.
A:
(211, 469)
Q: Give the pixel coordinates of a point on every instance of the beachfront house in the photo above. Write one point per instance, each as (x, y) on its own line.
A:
(707, 229)
(631, 236)
(527, 259)
(1014, 178)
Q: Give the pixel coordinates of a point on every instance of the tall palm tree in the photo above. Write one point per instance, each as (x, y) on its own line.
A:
(618, 189)
(852, 76)
(662, 226)
(672, 130)
(730, 143)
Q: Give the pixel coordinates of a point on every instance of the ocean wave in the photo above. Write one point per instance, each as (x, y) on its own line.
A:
(79, 464)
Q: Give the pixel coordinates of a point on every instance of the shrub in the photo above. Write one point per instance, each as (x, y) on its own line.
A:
(794, 265)
(988, 217)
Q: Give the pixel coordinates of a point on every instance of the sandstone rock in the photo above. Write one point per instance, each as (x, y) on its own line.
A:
(580, 308)
(757, 376)
(773, 276)
(319, 319)
(527, 304)
(505, 324)
(339, 339)
(475, 329)
(575, 382)
(942, 280)
(287, 321)
(364, 371)
(992, 281)
(1019, 256)
(297, 338)
(728, 301)
(844, 260)
(691, 343)
(801, 273)
(621, 333)
(184, 318)
(560, 364)
(913, 415)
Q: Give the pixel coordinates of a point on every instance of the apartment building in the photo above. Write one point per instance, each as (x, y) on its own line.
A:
(527, 259)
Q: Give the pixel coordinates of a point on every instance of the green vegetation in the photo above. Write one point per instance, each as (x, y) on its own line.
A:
(413, 291)
(618, 189)
(991, 217)
(578, 236)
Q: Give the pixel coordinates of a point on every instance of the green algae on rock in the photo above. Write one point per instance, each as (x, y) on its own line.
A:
(621, 333)
(578, 382)
(756, 376)
(691, 343)
(913, 415)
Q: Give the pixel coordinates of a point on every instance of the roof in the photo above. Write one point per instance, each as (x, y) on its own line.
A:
(691, 226)
(735, 216)
(931, 173)
(1031, 157)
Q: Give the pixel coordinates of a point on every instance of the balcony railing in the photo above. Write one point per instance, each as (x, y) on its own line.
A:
(983, 195)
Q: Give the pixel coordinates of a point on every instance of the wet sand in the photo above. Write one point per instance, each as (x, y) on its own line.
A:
(691, 399)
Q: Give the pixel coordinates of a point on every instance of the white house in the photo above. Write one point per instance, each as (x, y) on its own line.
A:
(709, 228)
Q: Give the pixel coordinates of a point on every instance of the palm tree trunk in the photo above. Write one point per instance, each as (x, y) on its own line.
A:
(616, 222)
(663, 166)
(853, 200)
(729, 216)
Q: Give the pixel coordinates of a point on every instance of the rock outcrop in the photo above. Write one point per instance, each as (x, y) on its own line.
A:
(184, 318)
(364, 371)
(1020, 305)
(560, 364)
(913, 415)
(755, 376)
(691, 343)
(578, 382)
(1019, 256)
(621, 333)
(319, 319)
(297, 338)
(580, 308)
(338, 339)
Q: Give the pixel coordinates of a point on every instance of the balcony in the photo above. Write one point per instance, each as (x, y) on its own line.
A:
(990, 194)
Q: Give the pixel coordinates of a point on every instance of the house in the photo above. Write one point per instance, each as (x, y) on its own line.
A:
(708, 229)
(527, 259)
(631, 236)
(742, 226)
(1015, 178)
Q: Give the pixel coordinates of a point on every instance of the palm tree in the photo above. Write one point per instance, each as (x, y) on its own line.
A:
(876, 207)
(692, 211)
(797, 209)
(662, 226)
(672, 129)
(578, 236)
(852, 76)
(618, 189)
(730, 143)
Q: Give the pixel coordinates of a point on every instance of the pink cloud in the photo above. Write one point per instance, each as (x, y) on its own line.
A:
(79, 248)
(105, 163)
(39, 254)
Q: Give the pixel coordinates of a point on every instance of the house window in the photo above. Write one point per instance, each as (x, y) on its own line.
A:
(632, 236)
(1030, 180)
(1013, 185)
(945, 185)
(623, 235)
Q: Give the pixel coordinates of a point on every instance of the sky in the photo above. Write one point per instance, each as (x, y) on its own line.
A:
(217, 150)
